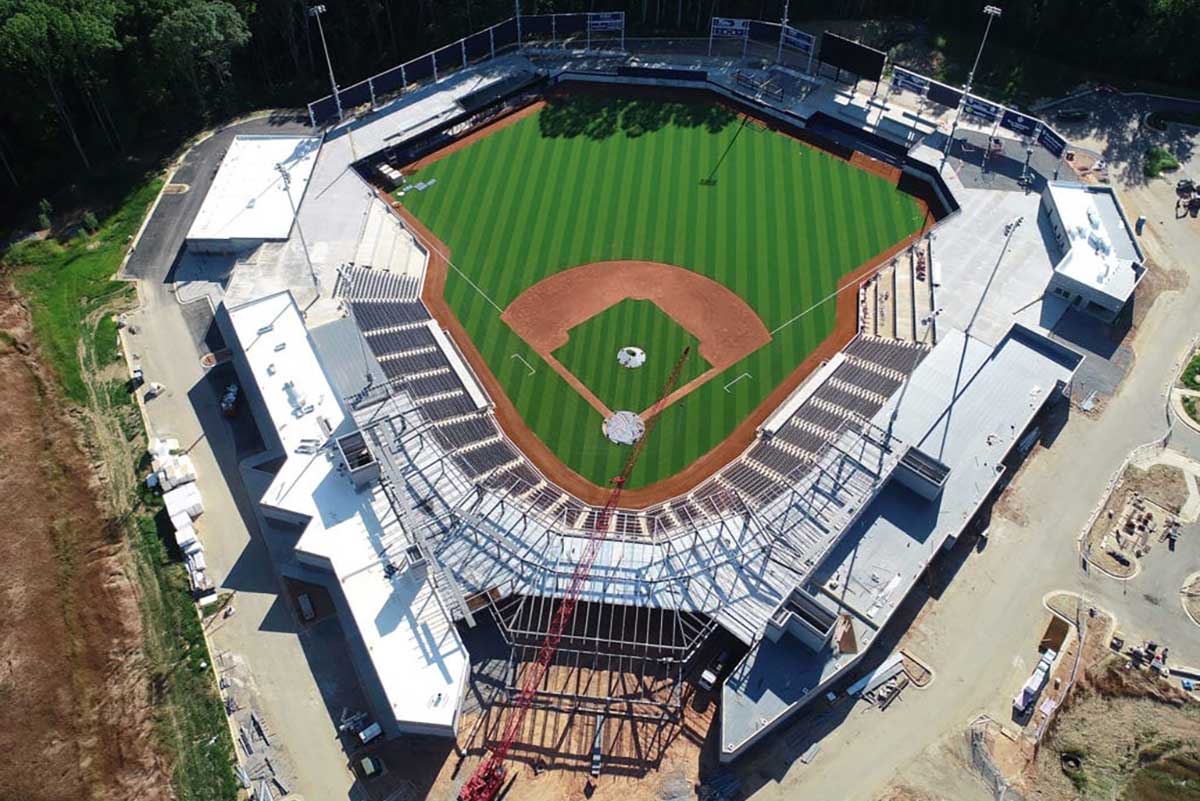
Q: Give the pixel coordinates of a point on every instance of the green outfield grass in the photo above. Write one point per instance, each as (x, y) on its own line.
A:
(637, 323)
(591, 179)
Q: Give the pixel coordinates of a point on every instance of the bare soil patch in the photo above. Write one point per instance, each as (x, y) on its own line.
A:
(75, 713)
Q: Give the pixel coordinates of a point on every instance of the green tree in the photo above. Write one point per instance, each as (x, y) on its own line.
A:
(49, 42)
(197, 41)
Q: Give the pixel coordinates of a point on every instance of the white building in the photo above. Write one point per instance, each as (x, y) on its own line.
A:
(250, 201)
(1101, 263)
(320, 478)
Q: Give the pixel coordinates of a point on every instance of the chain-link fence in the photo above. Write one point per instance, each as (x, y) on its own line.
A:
(985, 766)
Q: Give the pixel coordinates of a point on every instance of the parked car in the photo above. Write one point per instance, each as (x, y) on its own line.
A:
(306, 608)
(369, 733)
(370, 767)
(712, 674)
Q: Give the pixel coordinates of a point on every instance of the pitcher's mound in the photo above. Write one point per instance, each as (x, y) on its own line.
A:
(624, 428)
(631, 357)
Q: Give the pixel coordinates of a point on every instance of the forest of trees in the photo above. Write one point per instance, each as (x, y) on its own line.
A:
(89, 83)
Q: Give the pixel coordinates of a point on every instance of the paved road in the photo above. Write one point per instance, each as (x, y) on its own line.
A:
(160, 242)
(298, 673)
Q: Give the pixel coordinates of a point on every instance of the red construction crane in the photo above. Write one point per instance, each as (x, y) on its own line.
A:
(486, 781)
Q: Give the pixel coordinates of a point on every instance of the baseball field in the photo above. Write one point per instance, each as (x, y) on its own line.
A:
(567, 225)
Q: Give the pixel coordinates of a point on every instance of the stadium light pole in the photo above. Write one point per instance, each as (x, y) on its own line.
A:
(782, 26)
(316, 12)
(287, 187)
(992, 12)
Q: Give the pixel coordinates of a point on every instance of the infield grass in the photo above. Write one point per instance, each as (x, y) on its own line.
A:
(597, 178)
(636, 323)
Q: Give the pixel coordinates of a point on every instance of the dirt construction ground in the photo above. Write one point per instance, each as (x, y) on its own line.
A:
(1120, 735)
(75, 716)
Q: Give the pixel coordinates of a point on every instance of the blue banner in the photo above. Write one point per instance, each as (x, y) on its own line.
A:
(978, 107)
(728, 28)
(798, 40)
(1050, 140)
(607, 21)
(1018, 123)
(909, 81)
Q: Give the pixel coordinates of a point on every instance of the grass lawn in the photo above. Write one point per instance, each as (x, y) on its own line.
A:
(1191, 374)
(589, 179)
(67, 282)
(591, 354)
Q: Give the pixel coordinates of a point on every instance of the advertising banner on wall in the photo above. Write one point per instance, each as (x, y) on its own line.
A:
(798, 40)
(729, 28)
(981, 109)
(1050, 140)
(607, 21)
(906, 81)
(1018, 123)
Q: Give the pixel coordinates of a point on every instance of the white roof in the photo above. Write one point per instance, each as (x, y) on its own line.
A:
(248, 199)
(1101, 253)
(414, 648)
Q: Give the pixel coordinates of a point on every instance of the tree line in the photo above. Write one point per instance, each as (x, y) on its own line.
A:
(88, 83)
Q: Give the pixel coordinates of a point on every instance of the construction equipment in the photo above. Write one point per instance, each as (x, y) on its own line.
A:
(485, 783)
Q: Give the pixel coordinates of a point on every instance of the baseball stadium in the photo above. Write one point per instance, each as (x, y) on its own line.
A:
(618, 398)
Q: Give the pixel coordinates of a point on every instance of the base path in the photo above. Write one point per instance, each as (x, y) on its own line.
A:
(433, 295)
(726, 327)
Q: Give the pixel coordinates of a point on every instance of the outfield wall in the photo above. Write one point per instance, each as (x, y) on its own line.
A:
(762, 43)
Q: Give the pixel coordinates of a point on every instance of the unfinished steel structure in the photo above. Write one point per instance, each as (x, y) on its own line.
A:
(729, 554)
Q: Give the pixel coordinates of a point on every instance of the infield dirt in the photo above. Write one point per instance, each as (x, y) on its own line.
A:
(433, 295)
(510, 419)
(725, 325)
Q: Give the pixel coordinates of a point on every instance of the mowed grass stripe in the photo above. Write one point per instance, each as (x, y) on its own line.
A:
(777, 228)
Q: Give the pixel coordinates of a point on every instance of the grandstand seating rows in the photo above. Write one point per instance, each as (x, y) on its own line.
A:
(397, 334)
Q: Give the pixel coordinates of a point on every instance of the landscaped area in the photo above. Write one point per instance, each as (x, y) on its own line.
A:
(589, 179)
(1159, 160)
(1159, 120)
(1191, 373)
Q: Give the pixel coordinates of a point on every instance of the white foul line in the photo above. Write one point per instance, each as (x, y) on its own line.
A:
(527, 364)
(734, 381)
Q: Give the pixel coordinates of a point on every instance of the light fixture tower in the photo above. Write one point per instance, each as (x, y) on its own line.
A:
(782, 27)
(316, 12)
(287, 187)
(992, 12)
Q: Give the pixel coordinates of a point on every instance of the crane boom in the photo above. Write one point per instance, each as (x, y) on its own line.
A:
(484, 784)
